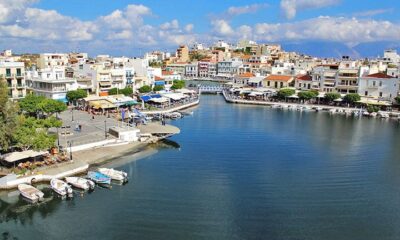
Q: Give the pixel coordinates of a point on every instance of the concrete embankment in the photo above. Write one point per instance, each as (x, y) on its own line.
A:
(395, 115)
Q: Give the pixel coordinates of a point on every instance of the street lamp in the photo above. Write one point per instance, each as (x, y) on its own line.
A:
(105, 128)
(70, 149)
(58, 139)
(72, 113)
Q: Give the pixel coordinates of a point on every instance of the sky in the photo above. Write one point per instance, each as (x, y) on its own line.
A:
(129, 28)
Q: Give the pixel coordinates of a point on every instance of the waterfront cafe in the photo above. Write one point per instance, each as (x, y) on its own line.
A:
(21, 158)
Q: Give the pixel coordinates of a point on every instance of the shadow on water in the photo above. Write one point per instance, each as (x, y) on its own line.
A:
(23, 211)
(167, 143)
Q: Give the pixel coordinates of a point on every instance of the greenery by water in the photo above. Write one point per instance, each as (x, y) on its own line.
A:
(238, 172)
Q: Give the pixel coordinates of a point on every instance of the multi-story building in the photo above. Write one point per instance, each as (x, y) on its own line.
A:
(14, 74)
(227, 69)
(303, 82)
(324, 77)
(379, 86)
(50, 83)
(48, 60)
(182, 54)
(191, 70)
(203, 68)
(347, 77)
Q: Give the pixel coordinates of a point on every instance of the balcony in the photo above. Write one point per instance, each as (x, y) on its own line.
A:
(21, 85)
(19, 75)
(9, 75)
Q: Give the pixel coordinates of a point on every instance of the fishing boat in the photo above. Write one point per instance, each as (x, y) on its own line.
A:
(30, 192)
(99, 178)
(61, 187)
(114, 174)
(80, 183)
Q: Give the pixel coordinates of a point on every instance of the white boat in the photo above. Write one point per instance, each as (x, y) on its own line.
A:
(114, 174)
(318, 109)
(80, 183)
(30, 192)
(384, 115)
(365, 113)
(373, 114)
(60, 187)
(332, 111)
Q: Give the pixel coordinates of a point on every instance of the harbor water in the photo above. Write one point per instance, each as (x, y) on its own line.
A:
(238, 172)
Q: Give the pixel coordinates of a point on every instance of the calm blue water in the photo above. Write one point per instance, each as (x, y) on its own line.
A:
(241, 172)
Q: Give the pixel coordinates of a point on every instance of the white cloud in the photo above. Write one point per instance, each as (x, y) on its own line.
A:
(234, 11)
(291, 7)
(189, 27)
(346, 30)
(222, 28)
(174, 24)
(373, 12)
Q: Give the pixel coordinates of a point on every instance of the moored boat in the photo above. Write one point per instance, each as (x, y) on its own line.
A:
(61, 187)
(80, 183)
(99, 178)
(114, 174)
(30, 192)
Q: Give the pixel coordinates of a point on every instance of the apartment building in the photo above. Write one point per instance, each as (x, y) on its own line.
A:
(48, 60)
(14, 74)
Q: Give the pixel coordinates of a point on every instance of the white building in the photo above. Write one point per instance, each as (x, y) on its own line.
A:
(50, 83)
(379, 86)
(191, 70)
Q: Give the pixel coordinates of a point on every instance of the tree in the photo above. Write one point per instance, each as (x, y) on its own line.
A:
(178, 84)
(372, 108)
(158, 88)
(8, 117)
(30, 104)
(145, 89)
(33, 133)
(397, 100)
(113, 91)
(285, 92)
(51, 106)
(351, 98)
(330, 97)
(72, 96)
(127, 91)
(307, 95)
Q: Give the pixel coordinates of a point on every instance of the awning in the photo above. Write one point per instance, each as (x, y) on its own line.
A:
(175, 96)
(185, 91)
(375, 102)
(338, 100)
(293, 96)
(256, 80)
(159, 100)
(103, 104)
(159, 83)
(145, 98)
(104, 84)
(17, 156)
(64, 100)
(254, 94)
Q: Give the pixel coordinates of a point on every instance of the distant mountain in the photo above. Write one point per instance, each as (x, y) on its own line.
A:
(335, 49)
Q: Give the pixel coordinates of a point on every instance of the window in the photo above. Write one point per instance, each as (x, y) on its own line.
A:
(380, 94)
(373, 83)
(8, 72)
(18, 71)
(366, 93)
(380, 83)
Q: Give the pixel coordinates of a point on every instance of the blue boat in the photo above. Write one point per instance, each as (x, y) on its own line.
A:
(99, 178)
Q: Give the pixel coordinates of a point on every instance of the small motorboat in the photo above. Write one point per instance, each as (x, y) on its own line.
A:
(30, 192)
(61, 187)
(114, 174)
(99, 178)
(80, 183)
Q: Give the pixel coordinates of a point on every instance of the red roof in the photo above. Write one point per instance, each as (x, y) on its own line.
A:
(379, 75)
(304, 77)
(284, 78)
(246, 75)
(157, 78)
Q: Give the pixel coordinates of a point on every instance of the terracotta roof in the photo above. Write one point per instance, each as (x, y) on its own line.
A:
(157, 78)
(379, 75)
(284, 78)
(246, 75)
(164, 73)
(304, 77)
(246, 56)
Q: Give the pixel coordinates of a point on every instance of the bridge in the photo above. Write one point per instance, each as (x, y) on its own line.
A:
(216, 89)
